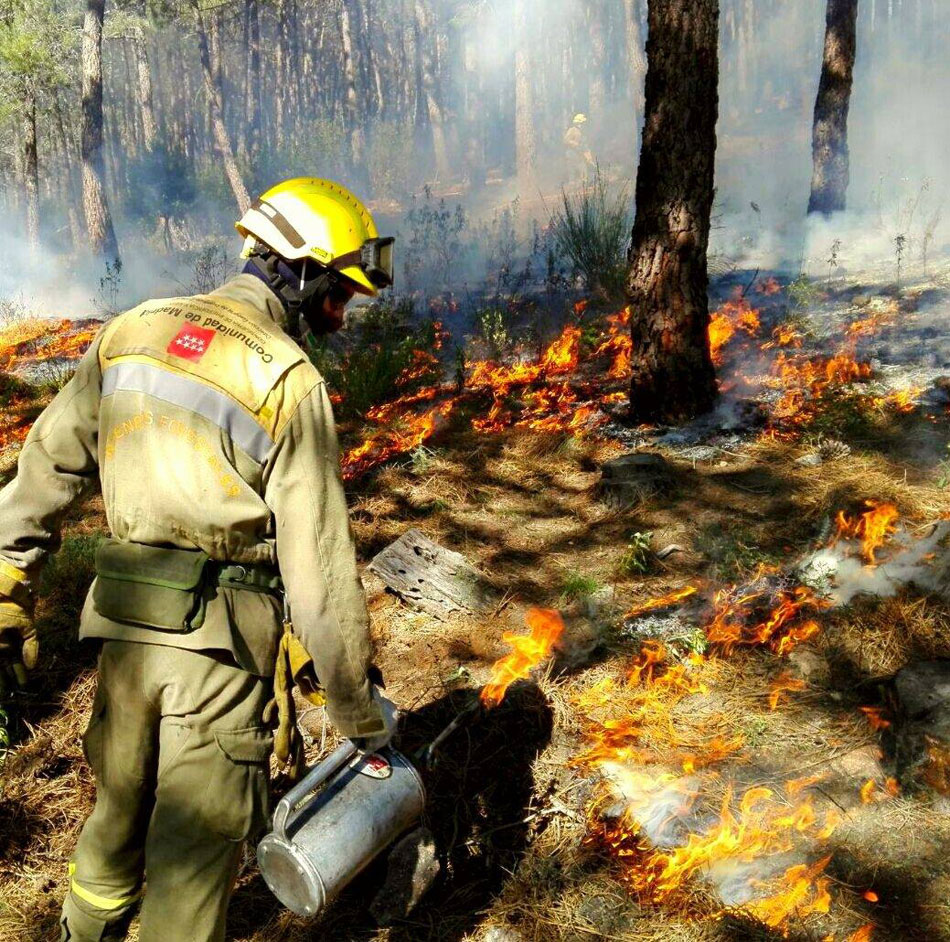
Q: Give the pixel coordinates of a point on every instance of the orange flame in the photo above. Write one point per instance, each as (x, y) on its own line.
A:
(665, 601)
(873, 528)
(862, 935)
(528, 651)
(871, 896)
(764, 613)
(784, 684)
(732, 316)
(875, 716)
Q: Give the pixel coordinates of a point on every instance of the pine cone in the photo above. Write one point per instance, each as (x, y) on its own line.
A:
(831, 449)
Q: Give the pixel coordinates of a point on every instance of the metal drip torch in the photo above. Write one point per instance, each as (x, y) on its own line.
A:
(341, 816)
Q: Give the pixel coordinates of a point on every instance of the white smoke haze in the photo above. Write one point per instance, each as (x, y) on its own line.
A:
(907, 559)
(770, 56)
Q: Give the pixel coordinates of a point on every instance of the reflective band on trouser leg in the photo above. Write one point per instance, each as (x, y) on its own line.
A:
(94, 899)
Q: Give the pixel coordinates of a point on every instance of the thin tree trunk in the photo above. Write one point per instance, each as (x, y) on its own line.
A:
(354, 124)
(102, 239)
(597, 85)
(673, 376)
(525, 142)
(252, 100)
(219, 129)
(75, 227)
(429, 89)
(635, 54)
(144, 89)
(829, 143)
(280, 68)
(31, 176)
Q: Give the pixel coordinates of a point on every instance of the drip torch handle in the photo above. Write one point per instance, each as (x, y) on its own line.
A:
(287, 805)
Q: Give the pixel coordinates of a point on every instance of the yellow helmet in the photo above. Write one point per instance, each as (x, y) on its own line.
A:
(310, 218)
(580, 118)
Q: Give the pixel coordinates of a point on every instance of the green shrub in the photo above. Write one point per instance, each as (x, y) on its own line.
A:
(578, 586)
(390, 159)
(67, 578)
(637, 559)
(366, 364)
(591, 230)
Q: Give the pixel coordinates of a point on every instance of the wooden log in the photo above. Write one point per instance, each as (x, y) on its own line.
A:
(432, 578)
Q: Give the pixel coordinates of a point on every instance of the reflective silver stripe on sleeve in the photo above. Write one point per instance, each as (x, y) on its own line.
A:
(194, 396)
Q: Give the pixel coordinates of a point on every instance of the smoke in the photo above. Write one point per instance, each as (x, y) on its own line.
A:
(770, 58)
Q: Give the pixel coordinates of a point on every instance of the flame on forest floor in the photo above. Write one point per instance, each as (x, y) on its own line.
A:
(781, 686)
(731, 317)
(527, 652)
(875, 716)
(663, 601)
(766, 611)
(874, 527)
(863, 934)
(34, 339)
(653, 820)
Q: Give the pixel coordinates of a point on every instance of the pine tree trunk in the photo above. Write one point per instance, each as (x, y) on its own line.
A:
(429, 88)
(525, 142)
(31, 175)
(354, 123)
(673, 376)
(75, 227)
(280, 69)
(252, 94)
(596, 71)
(635, 55)
(829, 143)
(222, 139)
(144, 89)
(102, 241)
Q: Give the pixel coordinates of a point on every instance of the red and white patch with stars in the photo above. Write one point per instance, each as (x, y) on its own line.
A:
(191, 342)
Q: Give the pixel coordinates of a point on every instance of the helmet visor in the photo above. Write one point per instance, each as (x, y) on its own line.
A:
(374, 258)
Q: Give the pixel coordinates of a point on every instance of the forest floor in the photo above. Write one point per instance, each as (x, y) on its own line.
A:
(728, 726)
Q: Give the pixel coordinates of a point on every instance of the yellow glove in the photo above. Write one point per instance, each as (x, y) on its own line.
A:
(19, 646)
(294, 666)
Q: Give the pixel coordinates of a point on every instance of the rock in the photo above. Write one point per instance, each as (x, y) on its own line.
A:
(413, 867)
(922, 745)
(923, 688)
(811, 460)
(500, 934)
(811, 666)
(630, 479)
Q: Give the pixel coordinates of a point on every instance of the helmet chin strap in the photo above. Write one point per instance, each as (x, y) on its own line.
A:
(301, 297)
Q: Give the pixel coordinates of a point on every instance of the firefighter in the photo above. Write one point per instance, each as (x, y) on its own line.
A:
(580, 158)
(212, 436)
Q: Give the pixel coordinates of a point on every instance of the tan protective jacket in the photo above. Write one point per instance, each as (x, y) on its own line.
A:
(209, 429)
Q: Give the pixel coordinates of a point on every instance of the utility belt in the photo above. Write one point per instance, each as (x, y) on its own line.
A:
(168, 589)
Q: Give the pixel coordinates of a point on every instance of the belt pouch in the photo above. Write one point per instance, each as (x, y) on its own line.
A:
(150, 585)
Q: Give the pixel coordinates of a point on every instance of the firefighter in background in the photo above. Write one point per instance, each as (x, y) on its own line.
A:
(580, 158)
(213, 439)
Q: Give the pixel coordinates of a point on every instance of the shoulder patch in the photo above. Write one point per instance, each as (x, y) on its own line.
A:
(219, 342)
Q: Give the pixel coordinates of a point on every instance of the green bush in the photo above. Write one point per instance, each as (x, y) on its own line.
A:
(365, 365)
(591, 230)
(578, 586)
(390, 159)
(67, 578)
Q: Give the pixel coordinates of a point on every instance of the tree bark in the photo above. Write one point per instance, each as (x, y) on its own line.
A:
(673, 376)
(829, 143)
(429, 89)
(635, 55)
(31, 175)
(75, 227)
(525, 140)
(596, 71)
(102, 239)
(354, 123)
(144, 89)
(252, 95)
(222, 139)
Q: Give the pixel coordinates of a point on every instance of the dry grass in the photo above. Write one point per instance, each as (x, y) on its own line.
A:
(507, 806)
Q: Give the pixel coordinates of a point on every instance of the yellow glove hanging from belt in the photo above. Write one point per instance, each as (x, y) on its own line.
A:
(19, 646)
(294, 666)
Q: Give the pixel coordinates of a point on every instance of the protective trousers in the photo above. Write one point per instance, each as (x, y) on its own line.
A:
(180, 760)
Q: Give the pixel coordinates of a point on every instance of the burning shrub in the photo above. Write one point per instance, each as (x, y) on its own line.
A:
(385, 355)
(591, 229)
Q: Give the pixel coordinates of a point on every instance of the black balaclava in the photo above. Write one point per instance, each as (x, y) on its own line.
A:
(301, 286)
